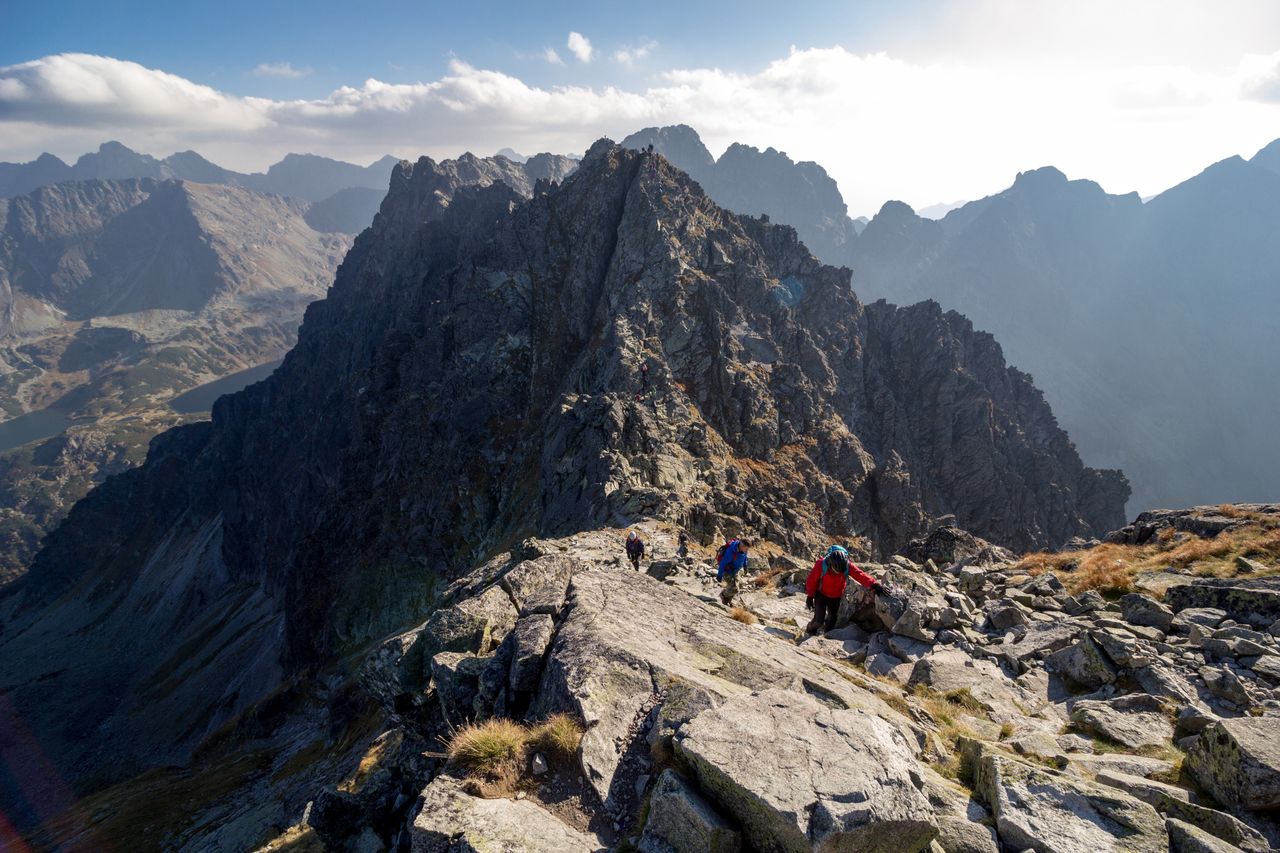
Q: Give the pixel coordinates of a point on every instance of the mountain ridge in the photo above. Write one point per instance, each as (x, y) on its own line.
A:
(473, 378)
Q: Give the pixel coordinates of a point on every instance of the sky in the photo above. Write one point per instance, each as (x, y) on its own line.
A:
(925, 101)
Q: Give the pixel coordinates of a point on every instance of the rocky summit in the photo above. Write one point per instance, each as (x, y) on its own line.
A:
(506, 383)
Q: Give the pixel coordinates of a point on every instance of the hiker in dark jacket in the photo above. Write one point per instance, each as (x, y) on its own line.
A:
(635, 549)
(825, 587)
(731, 559)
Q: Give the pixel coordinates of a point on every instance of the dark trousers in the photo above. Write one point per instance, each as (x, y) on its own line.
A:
(825, 611)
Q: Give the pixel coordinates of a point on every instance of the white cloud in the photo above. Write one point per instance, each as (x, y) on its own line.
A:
(631, 55)
(281, 69)
(882, 126)
(83, 90)
(1261, 77)
(580, 46)
(550, 55)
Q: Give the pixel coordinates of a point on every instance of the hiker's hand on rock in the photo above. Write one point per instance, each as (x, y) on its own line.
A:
(878, 588)
(808, 602)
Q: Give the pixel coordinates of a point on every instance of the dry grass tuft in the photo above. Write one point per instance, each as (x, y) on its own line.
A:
(493, 749)
(768, 579)
(965, 699)
(743, 615)
(1112, 569)
(558, 735)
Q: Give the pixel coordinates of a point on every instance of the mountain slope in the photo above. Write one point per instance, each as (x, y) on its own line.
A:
(473, 378)
(119, 295)
(1144, 324)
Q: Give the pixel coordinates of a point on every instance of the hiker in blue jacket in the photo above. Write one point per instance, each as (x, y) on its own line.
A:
(731, 559)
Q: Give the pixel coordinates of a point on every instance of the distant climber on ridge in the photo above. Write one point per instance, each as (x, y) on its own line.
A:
(635, 549)
(730, 559)
(825, 587)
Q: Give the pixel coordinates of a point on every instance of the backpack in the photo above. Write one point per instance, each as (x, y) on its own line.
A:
(730, 548)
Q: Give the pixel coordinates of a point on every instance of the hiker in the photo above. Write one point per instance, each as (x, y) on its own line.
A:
(644, 378)
(731, 558)
(682, 547)
(825, 587)
(635, 549)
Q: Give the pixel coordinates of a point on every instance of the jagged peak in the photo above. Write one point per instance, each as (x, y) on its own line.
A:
(1035, 179)
(598, 150)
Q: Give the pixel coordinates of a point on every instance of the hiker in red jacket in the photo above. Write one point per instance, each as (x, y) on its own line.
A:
(825, 587)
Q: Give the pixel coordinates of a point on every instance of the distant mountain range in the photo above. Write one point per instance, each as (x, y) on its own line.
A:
(1153, 329)
(303, 176)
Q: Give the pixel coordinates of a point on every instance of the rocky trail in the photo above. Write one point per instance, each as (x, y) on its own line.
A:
(977, 708)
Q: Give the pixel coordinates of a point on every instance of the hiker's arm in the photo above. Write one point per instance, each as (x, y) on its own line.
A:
(863, 578)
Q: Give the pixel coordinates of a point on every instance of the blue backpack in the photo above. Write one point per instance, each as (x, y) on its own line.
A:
(724, 557)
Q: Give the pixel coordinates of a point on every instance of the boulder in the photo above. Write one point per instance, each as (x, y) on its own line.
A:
(946, 670)
(1225, 684)
(1084, 664)
(1051, 812)
(788, 609)
(847, 650)
(539, 585)
(814, 777)
(1185, 838)
(1267, 666)
(451, 820)
(963, 822)
(1119, 648)
(681, 820)
(477, 624)
(1160, 679)
(532, 639)
(396, 669)
(1192, 720)
(910, 650)
(1204, 617)
(972, 579)
(1003, 615)
(1174, 802)
(456, 678)
(1139, 609)
(1238, 761)
(1112, 720)
(1041, 638)
(1255, 601)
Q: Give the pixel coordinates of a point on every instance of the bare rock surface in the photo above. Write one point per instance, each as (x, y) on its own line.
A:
(814, 777)
(1238, 760)
(451, 819)
(1037, 808)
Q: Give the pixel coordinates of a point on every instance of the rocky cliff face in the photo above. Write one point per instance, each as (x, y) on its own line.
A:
(749, 181)
(476, 376)
(121, 294)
